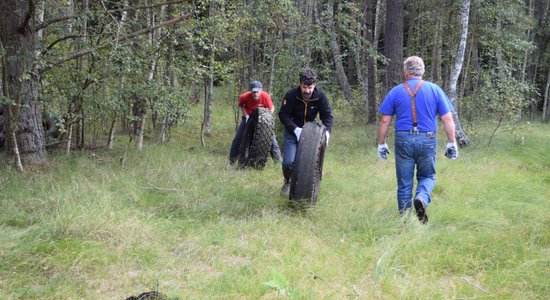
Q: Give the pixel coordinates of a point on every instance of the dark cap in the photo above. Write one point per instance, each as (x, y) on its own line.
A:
(255, 86)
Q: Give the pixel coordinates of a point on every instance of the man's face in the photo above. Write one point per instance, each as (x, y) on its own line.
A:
(256, 95)
(306, 90)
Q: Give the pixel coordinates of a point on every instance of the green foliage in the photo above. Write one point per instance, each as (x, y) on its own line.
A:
(281, 285)
(236, 41)
(503, 26)
(5, 100)
(501, 98)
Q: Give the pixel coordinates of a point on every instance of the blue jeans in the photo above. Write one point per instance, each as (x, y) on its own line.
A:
(289, 149)
(414, 149)
(234, 152)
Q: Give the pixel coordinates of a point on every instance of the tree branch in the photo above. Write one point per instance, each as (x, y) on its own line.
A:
(54, 20)
(28, 17)
(65, 18)
(147, 6)
(121, 39)
(61, 39)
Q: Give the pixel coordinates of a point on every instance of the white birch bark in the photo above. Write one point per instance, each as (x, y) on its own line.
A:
(545, 104)
(155, 41)
(462, 138)
(524, 65)
(112, 129)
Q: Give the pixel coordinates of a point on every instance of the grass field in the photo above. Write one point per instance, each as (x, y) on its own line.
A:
(177, 219)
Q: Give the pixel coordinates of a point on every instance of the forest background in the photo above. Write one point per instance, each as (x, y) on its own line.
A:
(76, 72)
(137, 85)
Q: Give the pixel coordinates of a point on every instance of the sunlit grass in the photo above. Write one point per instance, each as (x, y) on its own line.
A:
(178, 219)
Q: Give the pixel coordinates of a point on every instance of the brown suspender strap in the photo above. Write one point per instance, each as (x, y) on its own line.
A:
(412, 94)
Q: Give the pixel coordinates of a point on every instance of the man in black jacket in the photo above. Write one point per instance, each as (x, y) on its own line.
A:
(300, 105)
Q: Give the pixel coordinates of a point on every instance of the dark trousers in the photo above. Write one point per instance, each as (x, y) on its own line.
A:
(234, 152)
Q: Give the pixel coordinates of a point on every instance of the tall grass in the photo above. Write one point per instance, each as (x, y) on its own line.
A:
(176, 218)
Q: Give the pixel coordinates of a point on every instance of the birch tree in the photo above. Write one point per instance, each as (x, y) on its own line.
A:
(462, 138)
(545, 102)
(374, 12)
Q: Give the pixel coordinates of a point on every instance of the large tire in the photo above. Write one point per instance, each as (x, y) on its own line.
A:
(307, 170)
(256, 141)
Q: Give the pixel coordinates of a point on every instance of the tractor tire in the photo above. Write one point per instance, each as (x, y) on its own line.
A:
(256, 143)
(307, 171)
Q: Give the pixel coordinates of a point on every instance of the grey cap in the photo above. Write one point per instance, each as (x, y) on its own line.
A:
(255, 86)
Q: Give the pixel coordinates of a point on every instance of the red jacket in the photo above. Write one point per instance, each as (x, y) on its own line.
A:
(247, 102)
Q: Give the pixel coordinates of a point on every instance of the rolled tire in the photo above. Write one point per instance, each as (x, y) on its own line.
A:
(255, 144)
(307, 170)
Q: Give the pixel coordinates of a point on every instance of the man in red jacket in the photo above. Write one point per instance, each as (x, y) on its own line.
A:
(248, 102)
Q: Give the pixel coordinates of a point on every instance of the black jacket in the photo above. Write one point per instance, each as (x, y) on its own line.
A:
(296, 111)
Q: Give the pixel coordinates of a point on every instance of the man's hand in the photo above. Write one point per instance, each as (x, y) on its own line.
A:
(246, 118)
(328, 137)
(451, 150)
(383, 151)
(297, 132)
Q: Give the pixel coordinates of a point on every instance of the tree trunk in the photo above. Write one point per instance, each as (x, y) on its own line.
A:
(274, 51)
(546, 95)
(21, 81)
(69, 138)
(140, 129)
(436, 52)
(170, 79)
(11, 139)
(528, 55)
(393, 46)
(361, 54)
(337, 55)
(371, 13)
(541, 38)
(69, 12)
(155, 43)
(462, 138)
(469, 49)
(111, 139)
(207, 119)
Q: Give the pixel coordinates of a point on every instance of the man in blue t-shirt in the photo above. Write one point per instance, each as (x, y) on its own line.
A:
(415, 104)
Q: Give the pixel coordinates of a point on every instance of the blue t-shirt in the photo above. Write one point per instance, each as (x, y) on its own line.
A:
(430, 102)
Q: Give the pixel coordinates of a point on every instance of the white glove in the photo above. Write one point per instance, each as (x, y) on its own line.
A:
(328, 136)
(451, 150)
(246, 118)
(383, 151)
(297, 132)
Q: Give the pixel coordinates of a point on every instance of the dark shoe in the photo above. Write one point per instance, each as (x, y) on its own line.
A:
(285, 190)
(420, 211)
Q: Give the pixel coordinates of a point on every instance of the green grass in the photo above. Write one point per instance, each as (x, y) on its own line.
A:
(176, 218)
